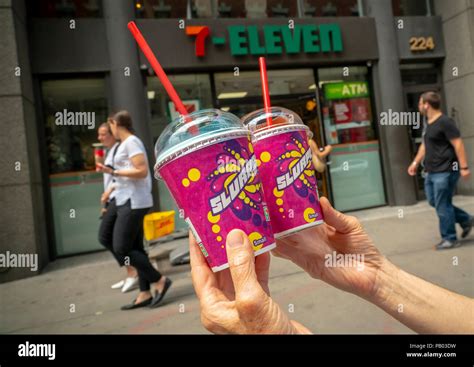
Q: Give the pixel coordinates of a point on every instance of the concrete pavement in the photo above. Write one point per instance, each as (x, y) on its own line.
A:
(73, 295)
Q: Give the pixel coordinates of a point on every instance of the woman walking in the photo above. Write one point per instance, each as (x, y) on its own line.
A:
(124, 216)
(105, 136)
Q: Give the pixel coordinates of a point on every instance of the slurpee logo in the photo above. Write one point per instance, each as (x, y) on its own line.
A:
(234, 188)
(297, 169)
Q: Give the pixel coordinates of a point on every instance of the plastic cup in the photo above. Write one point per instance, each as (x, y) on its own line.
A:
(99, 153)
(207, 161)
(285, 164)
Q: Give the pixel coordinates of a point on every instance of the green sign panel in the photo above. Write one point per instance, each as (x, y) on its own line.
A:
(277, 39)
(343, 90)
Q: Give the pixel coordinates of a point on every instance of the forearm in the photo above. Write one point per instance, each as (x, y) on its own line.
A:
(461, 154)
(420, 305)
(420, 154)
(131, 173)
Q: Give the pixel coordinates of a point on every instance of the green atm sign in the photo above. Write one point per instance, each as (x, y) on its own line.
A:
(272, 39)
(341, 90)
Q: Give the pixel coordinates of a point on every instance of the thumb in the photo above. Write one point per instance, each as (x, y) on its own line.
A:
(241, 263)
(342, 223)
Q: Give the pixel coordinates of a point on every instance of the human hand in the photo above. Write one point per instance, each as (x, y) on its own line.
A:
(412, 168)
(237, 300)
(315, 250)
(319, 156)
(99, 167)
(465, 173)
(104, 197)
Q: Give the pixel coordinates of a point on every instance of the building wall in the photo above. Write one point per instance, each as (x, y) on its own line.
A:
(458, 28)
(22, 215)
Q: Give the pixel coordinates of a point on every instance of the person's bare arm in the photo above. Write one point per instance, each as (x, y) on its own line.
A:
(138, 171)
(461, 155)
(416, 162)
(420, 305)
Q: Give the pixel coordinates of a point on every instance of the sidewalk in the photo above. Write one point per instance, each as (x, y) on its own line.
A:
(42, 304)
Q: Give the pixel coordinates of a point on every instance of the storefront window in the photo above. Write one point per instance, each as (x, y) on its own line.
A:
(349, 126)
(161, 8)
(232, 89)
(65, 8)
(325, 8)
(244, 8)
(194, 90)
(412, 7)
(73, 110)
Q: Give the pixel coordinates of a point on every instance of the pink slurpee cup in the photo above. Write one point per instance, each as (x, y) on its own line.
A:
(208, 163)
(285, 164)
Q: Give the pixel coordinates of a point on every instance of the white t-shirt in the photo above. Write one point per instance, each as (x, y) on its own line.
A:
(137, 190)
(108, 178)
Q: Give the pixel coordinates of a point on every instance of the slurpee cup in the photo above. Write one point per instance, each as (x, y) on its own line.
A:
(285, 164)
(207, 161)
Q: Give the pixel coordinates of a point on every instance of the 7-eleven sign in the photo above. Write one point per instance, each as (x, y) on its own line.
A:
(201, 33)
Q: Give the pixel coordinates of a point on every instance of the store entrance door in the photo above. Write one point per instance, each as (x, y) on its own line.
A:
(412, 95)
(417, 79)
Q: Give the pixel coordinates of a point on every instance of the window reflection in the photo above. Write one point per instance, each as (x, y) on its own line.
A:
(411, 7)
(194, 90)
(65, 8)
(69, 145)
(330, 8)
(161, 8)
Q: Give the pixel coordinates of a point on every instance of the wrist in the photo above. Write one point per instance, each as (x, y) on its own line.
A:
(414, 163)
(387, 278)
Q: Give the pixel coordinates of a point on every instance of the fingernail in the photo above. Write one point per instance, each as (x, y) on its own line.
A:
(235, 238)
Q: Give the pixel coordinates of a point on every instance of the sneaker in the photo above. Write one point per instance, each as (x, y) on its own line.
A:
(118, 285)
(447, 244)
(466, 229)
(131, 283)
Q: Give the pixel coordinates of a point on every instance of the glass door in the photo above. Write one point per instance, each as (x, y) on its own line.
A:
(349, 125)
(73, 110)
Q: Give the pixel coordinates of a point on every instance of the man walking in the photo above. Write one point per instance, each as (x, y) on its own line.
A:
(445, 161)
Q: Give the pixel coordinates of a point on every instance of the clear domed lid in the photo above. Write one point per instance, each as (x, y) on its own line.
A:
(195, 131)
(260, 121)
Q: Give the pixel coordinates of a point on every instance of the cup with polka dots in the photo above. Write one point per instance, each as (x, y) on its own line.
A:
(208, 163)
(285, 164)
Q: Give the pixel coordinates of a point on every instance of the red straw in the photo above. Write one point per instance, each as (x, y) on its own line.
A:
(265, 91)
(157, 68)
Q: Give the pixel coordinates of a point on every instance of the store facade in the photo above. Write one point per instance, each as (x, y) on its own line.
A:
(328, 69)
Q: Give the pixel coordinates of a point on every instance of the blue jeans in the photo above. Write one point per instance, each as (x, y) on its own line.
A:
(439, 190)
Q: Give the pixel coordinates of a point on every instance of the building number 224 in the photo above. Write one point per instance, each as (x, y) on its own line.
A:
(421, 43)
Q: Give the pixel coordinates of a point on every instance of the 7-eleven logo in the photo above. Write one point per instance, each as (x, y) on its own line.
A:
(201, 33)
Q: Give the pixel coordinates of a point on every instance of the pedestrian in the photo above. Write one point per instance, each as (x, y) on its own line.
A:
(125, 213)
(107, 139)
(445, 161)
